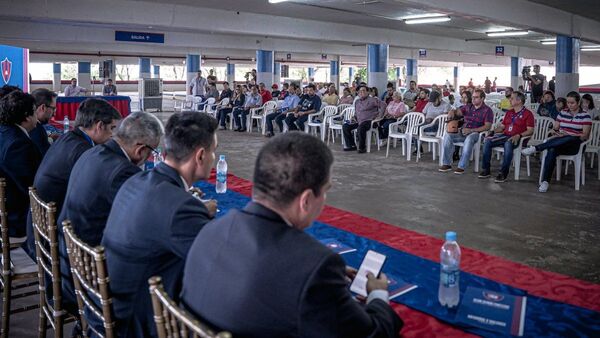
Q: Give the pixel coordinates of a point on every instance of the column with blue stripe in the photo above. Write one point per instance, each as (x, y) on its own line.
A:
(56, 67)
(277, 73)
(350, 75)
(377, 66)
(192, 66)
(567, 65)
(230, 73)
(412, 71)
(83, 74)
(311, 74)
(264, 67)
(515, 72)
(156, 71)
(334, 72)
(398, 74)
(455, 82)
(144, 68)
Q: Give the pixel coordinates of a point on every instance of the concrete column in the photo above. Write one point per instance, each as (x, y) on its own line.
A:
(264, 67)
(230, 73)
(398, 79)
(277, 73)
(156, 71)
(334, 72)
(377, 66)
(144, 68)
(192, 63)
(83, 74)
(56, 77)
(311, 74)
(515, 72)
(412, 71)
(350, 75)
(567, 65)
(455, 82)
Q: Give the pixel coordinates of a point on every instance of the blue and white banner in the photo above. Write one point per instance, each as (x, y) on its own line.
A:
(15, 65)
(139, 37)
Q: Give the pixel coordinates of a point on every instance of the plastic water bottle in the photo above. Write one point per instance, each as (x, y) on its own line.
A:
(221, 175)
(448, 293)
(66, 124)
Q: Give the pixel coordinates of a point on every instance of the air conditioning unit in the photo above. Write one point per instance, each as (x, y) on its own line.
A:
(150, 91)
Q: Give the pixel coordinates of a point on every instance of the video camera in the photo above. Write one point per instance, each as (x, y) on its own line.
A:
(526, 72)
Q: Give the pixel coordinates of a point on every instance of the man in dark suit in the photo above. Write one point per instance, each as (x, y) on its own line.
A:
(154, 220)
(96, 119)
(255, 273)
(45, 101)
(95, 179)
(19, 158)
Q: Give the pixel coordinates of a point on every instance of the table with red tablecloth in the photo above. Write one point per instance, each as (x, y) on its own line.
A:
(68, 105)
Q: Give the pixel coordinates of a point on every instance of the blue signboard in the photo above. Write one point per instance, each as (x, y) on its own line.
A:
(14, 63)
(422, 53)
(139, 37)
(499, 50)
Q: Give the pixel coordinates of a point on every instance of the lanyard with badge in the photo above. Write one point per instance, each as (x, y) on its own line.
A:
(512, 122)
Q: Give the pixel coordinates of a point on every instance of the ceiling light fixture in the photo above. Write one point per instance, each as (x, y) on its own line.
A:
(427, 20)
(276, 1)
(422, 16)
(591, 49)
(507, 33)
(548, 42)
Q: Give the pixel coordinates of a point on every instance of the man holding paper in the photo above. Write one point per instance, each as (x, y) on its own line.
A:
(256, 273)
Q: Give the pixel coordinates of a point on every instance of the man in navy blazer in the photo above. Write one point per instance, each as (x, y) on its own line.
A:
(154, 220)
(95, 180)
(256, 273)
(45, 100)
(19, 158)
(96, 119)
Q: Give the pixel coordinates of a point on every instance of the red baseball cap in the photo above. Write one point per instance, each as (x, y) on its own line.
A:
(275, 86)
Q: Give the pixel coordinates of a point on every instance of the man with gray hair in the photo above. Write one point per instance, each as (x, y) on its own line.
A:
(95, 180)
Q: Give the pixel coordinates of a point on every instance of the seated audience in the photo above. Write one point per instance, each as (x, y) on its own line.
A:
(422, 100)
(73, 89)
(95, 180)
(109, 89)
(331, 96)
(94, 124)
(252, 100)
(561, 105)
(388, 96)
(412, 92)
(19, 156)
(264, 93)
(374, 92)
(572, 127)
(154, 220)
(45, 101)
(226, 92)
(309, 104)
(347, 97)
(394, 110)
(366, 109)
(236, 102)
(434, 108)
(548, 105)
(284, 91)
(289, 104)
(517, 123)
(275, 91)
(587, 104)
(505, 102)
(212, 92)
(237, 276)
(478, 117)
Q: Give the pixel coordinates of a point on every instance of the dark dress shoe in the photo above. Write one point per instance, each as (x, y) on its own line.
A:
(362, 151)
(349, 148)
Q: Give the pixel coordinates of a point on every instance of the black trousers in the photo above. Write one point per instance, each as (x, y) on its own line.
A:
(363, 128)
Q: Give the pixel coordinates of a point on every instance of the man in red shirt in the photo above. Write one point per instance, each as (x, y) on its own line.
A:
(517, 124)
(422, 100)
(264, 93)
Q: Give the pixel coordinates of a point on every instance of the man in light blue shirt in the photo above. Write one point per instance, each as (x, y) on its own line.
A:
(253, 100)
(290, 102)
(198, 85)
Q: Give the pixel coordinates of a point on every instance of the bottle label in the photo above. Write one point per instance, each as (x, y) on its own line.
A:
(221, 177)
(449, 278)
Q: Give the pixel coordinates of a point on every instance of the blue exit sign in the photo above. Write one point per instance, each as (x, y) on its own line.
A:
(139, 37)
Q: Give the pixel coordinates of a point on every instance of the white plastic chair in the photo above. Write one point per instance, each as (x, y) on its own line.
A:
(594, 145)
(320, 120)
(579, 161)
(434, 139)
(413, 121)
(336, 125)
(210, 107)
(541, 130)
(260, 114)
(314, 121)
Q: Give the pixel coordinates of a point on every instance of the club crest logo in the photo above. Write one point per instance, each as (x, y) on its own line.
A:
(491, 296)
(6, 70)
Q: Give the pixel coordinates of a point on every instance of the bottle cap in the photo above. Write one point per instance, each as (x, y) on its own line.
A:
(451, 236)
(222, 158)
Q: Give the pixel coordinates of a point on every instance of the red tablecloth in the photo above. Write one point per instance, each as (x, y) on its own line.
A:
(69, 105)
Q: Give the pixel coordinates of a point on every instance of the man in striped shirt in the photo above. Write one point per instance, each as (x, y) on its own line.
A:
(571, 128)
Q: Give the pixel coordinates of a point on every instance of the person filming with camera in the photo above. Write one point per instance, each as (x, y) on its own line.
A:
(536, 83)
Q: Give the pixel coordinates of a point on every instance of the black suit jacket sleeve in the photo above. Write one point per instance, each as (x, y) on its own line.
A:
(188, 220)
(328, 309)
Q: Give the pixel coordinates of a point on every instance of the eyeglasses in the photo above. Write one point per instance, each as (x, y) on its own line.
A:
(153, 150)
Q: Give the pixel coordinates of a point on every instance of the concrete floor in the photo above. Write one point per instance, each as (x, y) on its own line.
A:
(557, 231)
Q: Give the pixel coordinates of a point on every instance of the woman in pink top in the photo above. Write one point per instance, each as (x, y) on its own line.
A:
(347, 98)
(395, 110)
